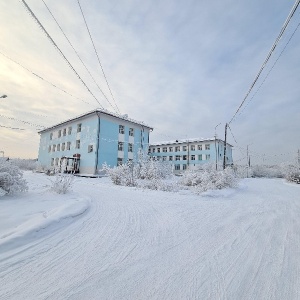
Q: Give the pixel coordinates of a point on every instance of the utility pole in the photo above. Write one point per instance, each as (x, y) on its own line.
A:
(216, 146)
(248, 161)
(225, 143)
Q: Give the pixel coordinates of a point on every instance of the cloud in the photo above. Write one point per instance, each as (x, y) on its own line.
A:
(182, 67)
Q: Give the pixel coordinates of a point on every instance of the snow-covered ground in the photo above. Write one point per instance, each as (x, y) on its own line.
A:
(102, 241)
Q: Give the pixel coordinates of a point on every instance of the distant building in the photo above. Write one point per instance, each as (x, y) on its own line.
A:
(191, 153)
(96, 137)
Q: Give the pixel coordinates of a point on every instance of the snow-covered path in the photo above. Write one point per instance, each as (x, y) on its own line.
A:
(135, 244)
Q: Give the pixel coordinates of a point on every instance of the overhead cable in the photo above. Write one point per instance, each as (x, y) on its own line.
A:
(97, 55)
(269, 55)
(40, 77)
(14, 128)
(25, 122)
(56, 46)
(269, 70)
(78, 55)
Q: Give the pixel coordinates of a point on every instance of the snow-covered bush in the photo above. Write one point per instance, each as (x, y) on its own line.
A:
(24, 164)
(62, 183)
(121, 175)
(208, 178)
(144, 173)
(289, 171)
(273, 171)
(11, 179)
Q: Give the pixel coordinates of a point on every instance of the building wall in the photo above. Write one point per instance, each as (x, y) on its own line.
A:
(108, 137)
(192, 159)
(87, 136)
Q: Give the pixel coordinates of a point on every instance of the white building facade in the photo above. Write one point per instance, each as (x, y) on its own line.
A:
(189, 154)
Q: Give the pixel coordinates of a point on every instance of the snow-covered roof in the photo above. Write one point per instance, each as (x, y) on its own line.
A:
(185, 141)
(95, 111)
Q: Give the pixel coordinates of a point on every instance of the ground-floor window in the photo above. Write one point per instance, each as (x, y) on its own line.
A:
(177, 167)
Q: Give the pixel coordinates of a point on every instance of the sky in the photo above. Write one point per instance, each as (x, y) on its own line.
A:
(182, 67)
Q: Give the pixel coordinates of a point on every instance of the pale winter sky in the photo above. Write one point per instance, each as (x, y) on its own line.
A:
(182, 67)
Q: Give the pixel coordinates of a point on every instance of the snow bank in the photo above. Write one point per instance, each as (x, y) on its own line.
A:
(24, 219)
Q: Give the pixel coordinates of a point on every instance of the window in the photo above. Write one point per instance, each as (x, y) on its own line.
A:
(158, 150)
(68, 145)
(207, 146)
(77, 144)
(153, 150)
(120, 146)
(184, 167)
(165, 149)
(51, 136)
(184, 148)
(177, 157)
(69, 130)
(59, 133)
(49, 149)
(63, 146)
(184, 157)
(164, 158)
(199, 147)
(64, 131)
(131, 131)
(207, 156)
(170, 158)
(170, 149)
(200, 157)
(121, 129)
(130, 147)
(192, 147)
(53, 148)
(58, 147)
(79, 127)
(177, 167)
(56, 161)
(90, 148)
(177, 148)
(52, 161)
(192, 157)
(119, 161)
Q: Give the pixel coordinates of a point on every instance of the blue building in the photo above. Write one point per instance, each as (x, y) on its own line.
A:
(191, 153)
(97, 137)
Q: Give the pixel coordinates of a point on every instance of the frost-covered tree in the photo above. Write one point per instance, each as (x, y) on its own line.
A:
(25, 164)
(11, 179)
(290, 170)
(144, 172)
(208, 178)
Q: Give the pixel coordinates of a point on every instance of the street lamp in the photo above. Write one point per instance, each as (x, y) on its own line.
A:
(3, 96)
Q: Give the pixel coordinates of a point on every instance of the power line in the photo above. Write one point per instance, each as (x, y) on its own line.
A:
(55, 45)
(77, 54)
(269, 55)
(25, 122)
(40, 77)
(97, 55)
(14, 128)
(271, 68)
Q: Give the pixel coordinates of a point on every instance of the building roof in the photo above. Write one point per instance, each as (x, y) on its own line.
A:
(185, 141)
(95, 111)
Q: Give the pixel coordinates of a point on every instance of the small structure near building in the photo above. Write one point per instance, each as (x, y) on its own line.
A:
(83, 144)
(189, 154)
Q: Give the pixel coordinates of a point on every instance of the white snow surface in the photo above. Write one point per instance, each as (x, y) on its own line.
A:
(102, 241)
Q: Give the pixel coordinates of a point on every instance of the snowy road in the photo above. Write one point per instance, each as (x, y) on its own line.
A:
(135, 244)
